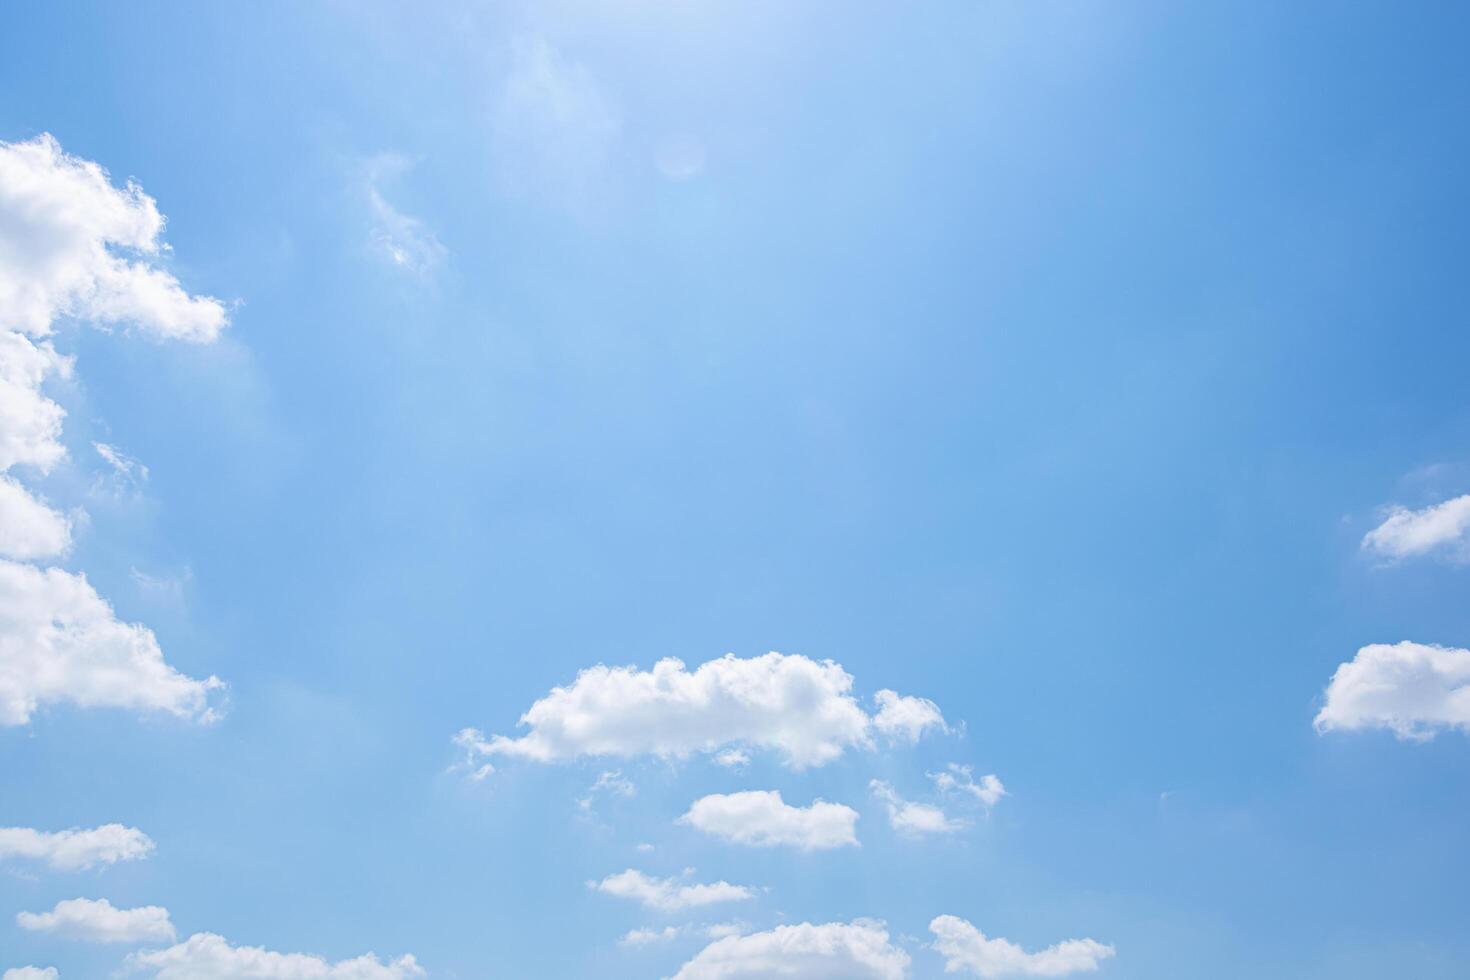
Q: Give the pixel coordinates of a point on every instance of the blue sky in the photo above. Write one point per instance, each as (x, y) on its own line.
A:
(1089, 375)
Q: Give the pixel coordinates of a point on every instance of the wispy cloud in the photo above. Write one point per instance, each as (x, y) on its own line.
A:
(401, 240)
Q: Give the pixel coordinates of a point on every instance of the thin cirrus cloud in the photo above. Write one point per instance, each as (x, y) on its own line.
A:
(73, 245)
(669, 894)
(913, 819)
(99, 921)
(76, 849)
(1443, 529)
(801, 708)
(858, 950)
(1411, 689)
(206, 956)
(968, 950)
(761, 818)
(402, 240)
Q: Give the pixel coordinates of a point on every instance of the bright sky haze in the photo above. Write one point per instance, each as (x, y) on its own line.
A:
(720, 490)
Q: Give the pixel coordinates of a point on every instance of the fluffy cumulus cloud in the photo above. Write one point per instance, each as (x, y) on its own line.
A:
(960, 780)
(99, 921)
(798, 707)
(31, 973)
(60, 642)
(669, 894)
(1441, 529)
(967, 950)
(761, 818)
(205, 956)
(913, 819)
(833, 951)
(76, 849)
(1411, 689)
(72, 244)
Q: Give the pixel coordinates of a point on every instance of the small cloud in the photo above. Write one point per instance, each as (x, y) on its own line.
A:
(126, 474)
(960, 779)
(635, 938)
(719, 930)
(609, 783)
(733, 759)
(913, 819)
(1442, 529)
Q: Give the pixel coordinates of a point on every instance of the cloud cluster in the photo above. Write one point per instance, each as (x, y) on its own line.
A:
(99, 921)
(73, 245)
(967, 949)
(760, 818)
(668, 894)
(798, 707)
(31, 973)
(205, 956)
(834, 951)
(1411, 689)
(1443, 528)
(76, 849)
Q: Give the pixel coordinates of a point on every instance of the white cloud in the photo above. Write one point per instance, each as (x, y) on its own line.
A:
(403, 240)
(966, 948)
(31, 973)
(668, 894)
(906, 718)
(961, 779)
(76, 849)
(60, 642)
(72, 244)
(799, 707)
(1411, 689)
(834, 951)
(29, 528)
(128, 473)
(762, 819)
(733, 759)
(1444, 528)
(30, 423)
(554, 126)
(205, 956)
(913, 819)
(98, 921)
(647, 937)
